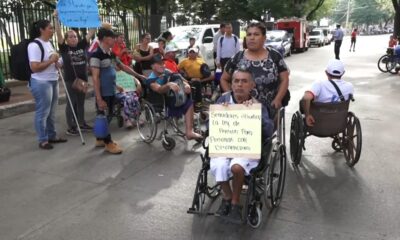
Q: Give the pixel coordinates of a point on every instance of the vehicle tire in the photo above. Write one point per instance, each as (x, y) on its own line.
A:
(352, 140)
(168, 143)
(382, 63)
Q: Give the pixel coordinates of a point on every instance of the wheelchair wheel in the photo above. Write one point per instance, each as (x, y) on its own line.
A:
(199, 194)
(352, 140)
(146, 124)
(254, 217)
(276, 175)
(382, 63)
(297, 133)
(337, 143)
(168, 143)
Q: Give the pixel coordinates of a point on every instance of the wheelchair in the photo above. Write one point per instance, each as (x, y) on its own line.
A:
(153, 112)
(331, 120)
(265, 183)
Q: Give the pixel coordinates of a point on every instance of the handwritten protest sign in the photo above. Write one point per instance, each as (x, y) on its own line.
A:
(79, 13)
(125, 81)
(235, 131)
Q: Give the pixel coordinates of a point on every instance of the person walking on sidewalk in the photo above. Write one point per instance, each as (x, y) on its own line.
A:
(102, 66)
(44, 60)
(73, 53)
(338, 38)
(228, 45)
(353, 40)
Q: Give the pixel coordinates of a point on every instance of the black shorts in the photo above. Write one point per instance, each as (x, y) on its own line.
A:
(353, 40)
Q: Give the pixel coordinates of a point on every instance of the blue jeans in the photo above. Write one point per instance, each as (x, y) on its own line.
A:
(45, 94)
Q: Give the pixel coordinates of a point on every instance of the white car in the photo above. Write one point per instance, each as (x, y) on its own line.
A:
(317, 37)
(204, 35)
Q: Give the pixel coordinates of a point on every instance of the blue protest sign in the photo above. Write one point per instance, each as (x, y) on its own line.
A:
(78, 13)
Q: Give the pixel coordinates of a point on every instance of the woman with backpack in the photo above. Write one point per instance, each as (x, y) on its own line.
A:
(267, 65)
(44, 60)
(73, 53)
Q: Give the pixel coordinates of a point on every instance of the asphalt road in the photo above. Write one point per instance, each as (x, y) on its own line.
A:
(77, 192)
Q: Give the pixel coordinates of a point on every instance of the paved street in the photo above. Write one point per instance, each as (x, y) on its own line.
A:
(76, 192)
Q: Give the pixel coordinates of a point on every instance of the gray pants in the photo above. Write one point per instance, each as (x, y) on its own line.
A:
(78, 102)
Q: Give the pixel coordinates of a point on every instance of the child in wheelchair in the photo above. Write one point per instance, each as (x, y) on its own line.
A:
(178, 104)
(332, 89)
(127, 96)
(225, 168)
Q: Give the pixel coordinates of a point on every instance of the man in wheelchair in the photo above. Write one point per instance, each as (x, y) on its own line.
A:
(225, 168)
(159, 82)
(194, 69)
(332, 89)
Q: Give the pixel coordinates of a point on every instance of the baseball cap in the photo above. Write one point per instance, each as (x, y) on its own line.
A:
(156, 59)
(335, 68)
(103, 32)
(195, 49)
(170, 48)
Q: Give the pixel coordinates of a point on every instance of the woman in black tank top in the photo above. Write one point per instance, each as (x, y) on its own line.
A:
(144, 53)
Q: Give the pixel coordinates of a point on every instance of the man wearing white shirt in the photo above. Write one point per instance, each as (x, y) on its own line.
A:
(325, 91)
(227, 46)
(220, 33)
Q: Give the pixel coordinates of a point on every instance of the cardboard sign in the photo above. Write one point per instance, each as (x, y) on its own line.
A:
(235, 131)
(125, 81)
(79, 13)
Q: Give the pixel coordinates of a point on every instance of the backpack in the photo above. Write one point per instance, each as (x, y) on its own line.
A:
(205, 70)
(178, 99)
(222, 39)
(19, 62)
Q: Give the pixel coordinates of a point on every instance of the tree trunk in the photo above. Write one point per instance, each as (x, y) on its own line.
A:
(396, 30)
(125, 25)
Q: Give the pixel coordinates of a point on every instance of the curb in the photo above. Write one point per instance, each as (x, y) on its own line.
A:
(29, 106)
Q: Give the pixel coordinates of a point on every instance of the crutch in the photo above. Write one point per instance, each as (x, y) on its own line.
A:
(72, 107)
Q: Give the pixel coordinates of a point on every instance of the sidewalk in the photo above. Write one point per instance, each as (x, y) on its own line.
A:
(21, 100)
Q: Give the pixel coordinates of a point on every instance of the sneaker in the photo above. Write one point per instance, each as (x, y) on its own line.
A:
(224, 208)
(99, 143)
(235, 214)
(72, 132)
(113, 148)
(87, 128)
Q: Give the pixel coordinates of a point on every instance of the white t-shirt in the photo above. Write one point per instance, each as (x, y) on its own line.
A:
(34, 55)
(325, 92)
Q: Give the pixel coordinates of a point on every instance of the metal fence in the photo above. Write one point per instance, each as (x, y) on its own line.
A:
(15, 21)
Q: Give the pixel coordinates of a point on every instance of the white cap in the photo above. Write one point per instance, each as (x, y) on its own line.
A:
(195, 49)
(170, 48)
(335, 68)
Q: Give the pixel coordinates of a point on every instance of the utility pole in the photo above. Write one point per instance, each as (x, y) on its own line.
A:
(348, 13)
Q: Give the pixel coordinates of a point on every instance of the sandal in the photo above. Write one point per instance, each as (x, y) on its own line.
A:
(45, 146)
(58, 140)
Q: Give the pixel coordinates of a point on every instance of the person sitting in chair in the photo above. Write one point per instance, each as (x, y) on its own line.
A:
(159, 82)
(332, 89)
(191, 69)
(223, 168)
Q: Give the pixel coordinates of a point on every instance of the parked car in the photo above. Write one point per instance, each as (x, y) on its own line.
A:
(204, 40)
(280, 40)
(327, 35)
(317, 37)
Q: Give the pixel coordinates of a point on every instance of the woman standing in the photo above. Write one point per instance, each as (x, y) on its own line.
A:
(353, 40)
(43, 61)
(143, 53)
(267, 65)
(73, 53)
